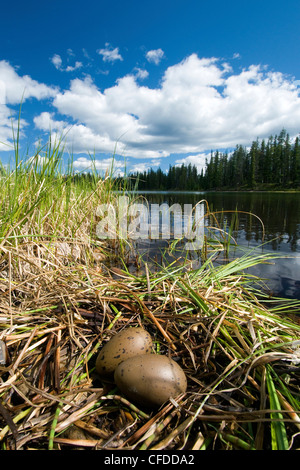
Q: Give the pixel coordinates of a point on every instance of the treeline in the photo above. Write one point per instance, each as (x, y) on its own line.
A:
(274, 163)
(184, 177)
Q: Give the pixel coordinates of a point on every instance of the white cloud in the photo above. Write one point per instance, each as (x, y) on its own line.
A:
(14, 90)
(71, 68)
(144, 166)
(110, 54)
(46, 122)
(5, 128)
(141, 73)
(57, 62)
(199, 105)
(195, 160)
(105, 164)
(77, 137)
(18, 87)
(39, 160)
(154, 56)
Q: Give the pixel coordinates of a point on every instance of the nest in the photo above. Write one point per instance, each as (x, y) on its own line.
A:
(58, 308)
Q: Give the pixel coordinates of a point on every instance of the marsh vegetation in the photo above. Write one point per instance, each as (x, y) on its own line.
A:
(62, 296)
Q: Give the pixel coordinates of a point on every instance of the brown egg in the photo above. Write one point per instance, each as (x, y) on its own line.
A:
(150, 379)
(128, 343)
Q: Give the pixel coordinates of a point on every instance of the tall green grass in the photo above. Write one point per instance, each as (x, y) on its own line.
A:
(43, 197)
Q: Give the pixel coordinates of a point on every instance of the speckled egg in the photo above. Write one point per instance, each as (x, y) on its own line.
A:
(128, 343)
(150, 379)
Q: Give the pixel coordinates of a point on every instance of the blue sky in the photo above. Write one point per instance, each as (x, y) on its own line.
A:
(159, 82)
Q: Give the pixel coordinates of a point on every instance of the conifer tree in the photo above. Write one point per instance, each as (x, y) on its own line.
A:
(275, 162)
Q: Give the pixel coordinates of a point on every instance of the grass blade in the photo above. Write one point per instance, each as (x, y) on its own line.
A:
(278, 431)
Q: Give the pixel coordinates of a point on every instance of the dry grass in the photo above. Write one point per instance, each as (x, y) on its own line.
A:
(58, 308)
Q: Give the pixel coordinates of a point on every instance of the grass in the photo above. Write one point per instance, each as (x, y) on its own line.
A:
(62, 297)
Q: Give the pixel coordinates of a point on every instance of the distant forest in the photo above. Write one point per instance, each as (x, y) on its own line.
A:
(271, 164)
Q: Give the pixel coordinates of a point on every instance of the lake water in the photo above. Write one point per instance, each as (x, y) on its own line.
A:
(274, 228)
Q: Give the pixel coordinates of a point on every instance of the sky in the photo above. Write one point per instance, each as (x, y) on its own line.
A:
(147, 84)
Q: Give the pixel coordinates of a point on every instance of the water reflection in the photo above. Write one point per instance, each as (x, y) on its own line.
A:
(274, 226)
(279, 212)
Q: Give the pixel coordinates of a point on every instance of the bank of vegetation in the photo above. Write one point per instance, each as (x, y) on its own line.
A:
(62, 296)
(271, 164)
